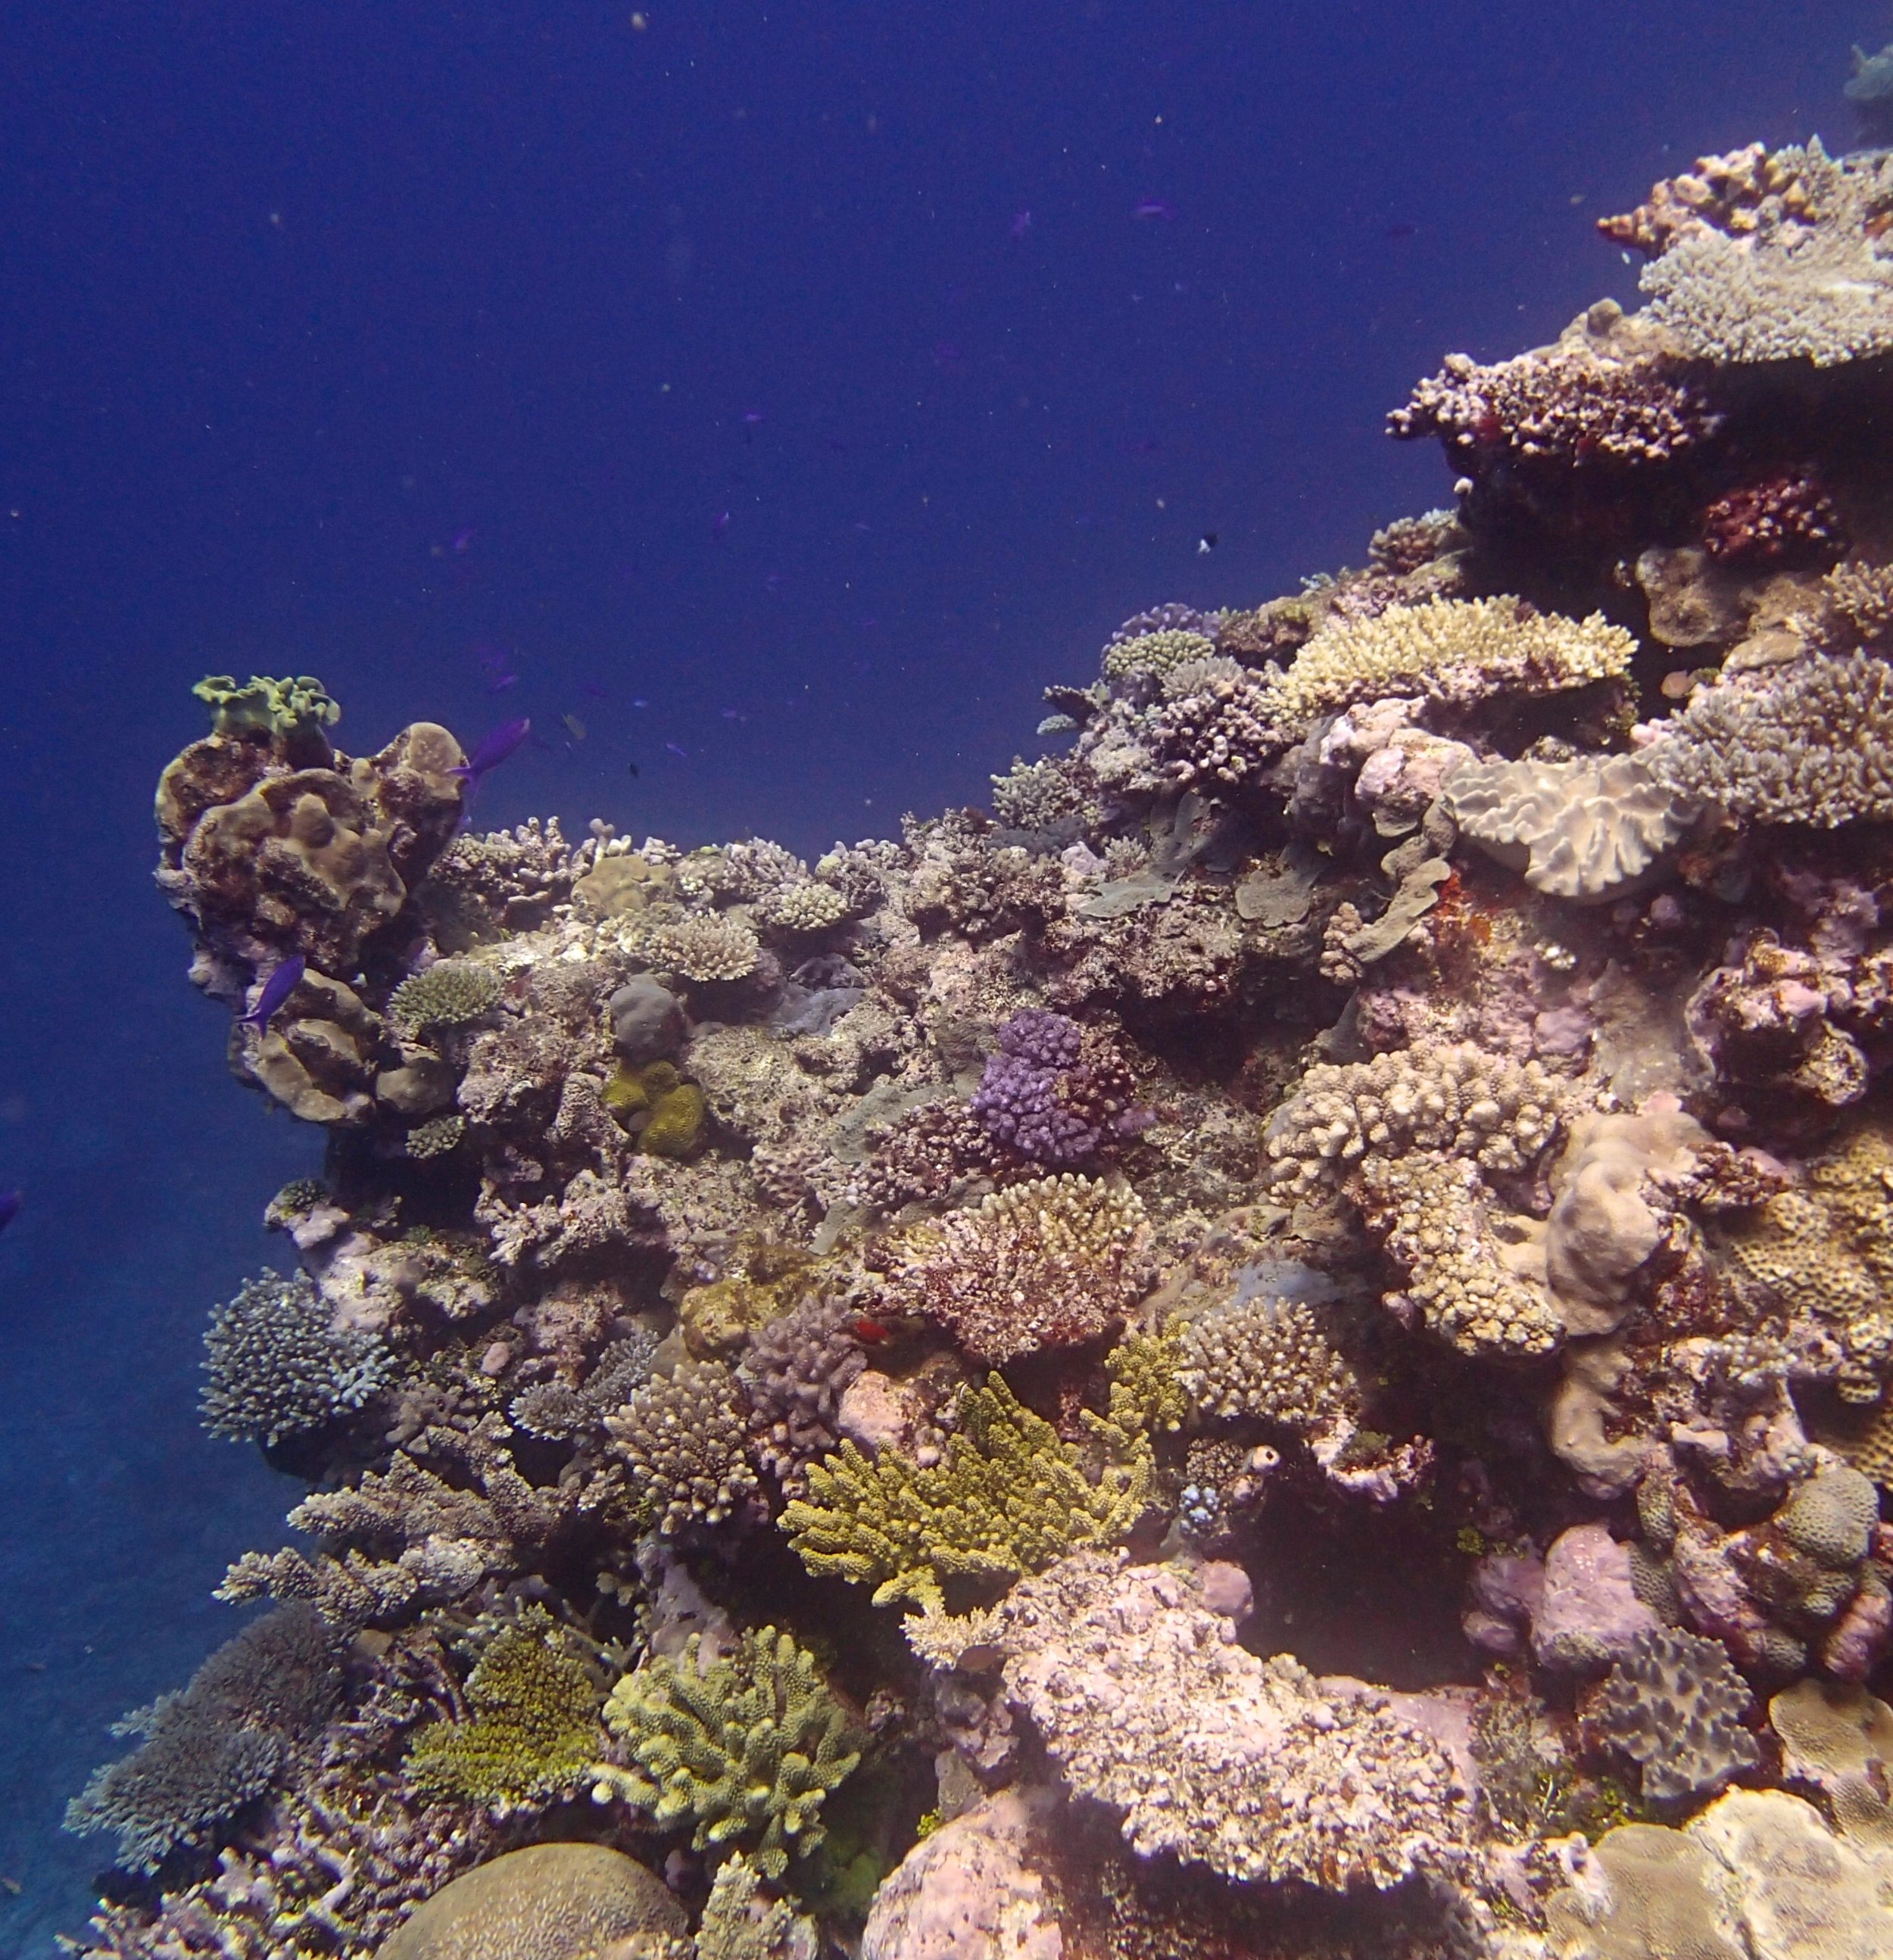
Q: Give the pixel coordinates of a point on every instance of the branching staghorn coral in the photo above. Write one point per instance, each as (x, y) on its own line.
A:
(450, 993)
(278, 1366)
(1009, 1498)
(1047, 1264)
(747, 1748)
(534, 1727)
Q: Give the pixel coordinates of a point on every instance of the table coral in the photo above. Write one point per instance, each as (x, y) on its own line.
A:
(223, 1741)
(747, 1748)
(1147, 1702)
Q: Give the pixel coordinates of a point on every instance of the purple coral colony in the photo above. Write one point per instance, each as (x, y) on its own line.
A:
(1282, 1347)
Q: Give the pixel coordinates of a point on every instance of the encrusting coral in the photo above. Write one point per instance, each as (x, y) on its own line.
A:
(1380, 1126)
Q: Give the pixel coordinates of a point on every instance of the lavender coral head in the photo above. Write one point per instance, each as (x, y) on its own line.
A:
(1045, 1098)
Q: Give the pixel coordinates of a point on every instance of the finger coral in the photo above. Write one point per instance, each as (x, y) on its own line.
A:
(685, 1438)
(746, 1749)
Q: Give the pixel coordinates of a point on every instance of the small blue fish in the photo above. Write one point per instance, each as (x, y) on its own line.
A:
(281, 983)
(1154, 207)
(754, 417)
(682, 755)
(718, 525)
(1021, 223)
(9, 1208)
(493, 751)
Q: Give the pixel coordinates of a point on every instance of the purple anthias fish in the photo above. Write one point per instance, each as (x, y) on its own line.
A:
(494, 750)
(277, 989)
(1154, 207)
(9, 1208)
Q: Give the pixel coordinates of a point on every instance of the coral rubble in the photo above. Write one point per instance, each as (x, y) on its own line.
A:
(1276, 1345)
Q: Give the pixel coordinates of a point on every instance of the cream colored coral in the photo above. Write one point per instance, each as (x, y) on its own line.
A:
(715, 946)
(1458, 650)
(1154, 653)
(806, 906)
(1271, 1359)
(1454, 1100)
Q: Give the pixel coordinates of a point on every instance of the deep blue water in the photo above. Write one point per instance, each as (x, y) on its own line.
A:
(414, 344)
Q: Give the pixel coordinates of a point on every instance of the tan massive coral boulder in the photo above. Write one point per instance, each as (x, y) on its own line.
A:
(547, 1902)
(975, 1890)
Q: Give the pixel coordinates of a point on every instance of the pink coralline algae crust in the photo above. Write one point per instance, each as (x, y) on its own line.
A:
(1391, 1098)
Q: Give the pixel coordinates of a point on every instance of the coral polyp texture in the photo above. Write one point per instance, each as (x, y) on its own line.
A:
(1276, 1344)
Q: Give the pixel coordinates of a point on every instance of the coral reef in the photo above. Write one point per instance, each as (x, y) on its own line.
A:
(222, 1742)
(1367, 1163)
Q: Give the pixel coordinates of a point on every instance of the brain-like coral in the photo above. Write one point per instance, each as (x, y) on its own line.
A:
(546, 1902)
(1587, 828)
(1148, 1703)
(1046, 1264)
(1673, 1705)
(1811, 744)
(278, 1365)
(747, 1748)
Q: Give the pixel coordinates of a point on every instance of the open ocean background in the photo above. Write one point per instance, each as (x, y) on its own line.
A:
(787, 393)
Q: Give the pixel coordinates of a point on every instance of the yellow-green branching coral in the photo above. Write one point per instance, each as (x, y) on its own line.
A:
(534, 1728)
(1010, 1498)
(748, 1747)
(282, 710)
